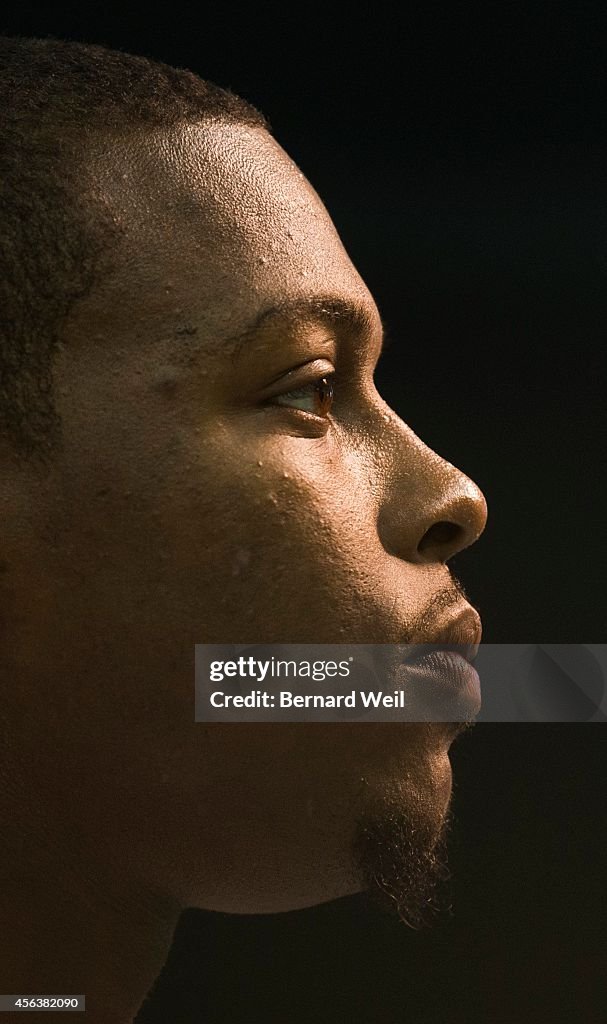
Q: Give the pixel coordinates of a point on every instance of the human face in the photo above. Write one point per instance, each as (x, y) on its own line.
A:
(194, 499)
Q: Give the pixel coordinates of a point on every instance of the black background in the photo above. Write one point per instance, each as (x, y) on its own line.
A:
(461, 151)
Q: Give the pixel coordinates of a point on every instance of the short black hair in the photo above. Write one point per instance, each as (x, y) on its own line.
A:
(53, 95)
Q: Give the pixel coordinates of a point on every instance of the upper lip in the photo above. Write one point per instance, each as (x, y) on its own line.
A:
(460, 633)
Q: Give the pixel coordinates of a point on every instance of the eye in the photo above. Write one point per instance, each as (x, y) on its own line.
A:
(315, 397)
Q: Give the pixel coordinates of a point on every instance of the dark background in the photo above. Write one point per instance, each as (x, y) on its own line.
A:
(461, 150)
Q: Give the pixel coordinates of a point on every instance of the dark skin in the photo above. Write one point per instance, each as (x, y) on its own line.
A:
(196, 498)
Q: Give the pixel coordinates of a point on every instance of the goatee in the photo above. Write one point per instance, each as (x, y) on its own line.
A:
(402, 858)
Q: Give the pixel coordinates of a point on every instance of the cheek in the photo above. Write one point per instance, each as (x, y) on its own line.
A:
(272, 538)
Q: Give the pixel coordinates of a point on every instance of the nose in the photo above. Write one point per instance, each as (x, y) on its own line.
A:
(431, 510)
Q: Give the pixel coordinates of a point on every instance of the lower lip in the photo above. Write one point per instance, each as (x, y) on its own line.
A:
(442, 686)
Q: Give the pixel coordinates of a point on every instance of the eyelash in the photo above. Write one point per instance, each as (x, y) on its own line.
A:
(323, 387)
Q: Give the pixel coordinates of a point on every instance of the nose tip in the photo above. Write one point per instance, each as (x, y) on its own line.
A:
(455, 524)
(431, 510)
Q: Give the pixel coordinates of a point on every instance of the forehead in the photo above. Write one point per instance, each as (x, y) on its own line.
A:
(218, 224)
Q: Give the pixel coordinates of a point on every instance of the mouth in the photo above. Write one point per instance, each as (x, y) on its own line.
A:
(440, 674)
(460, 634)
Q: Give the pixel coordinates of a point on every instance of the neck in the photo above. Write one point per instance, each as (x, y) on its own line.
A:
(71, 922)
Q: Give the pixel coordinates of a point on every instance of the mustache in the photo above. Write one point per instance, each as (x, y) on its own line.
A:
(420, 629)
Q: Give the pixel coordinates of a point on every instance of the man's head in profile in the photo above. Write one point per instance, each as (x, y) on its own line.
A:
(192, 450)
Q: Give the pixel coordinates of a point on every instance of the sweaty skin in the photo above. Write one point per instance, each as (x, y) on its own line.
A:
(193, 501)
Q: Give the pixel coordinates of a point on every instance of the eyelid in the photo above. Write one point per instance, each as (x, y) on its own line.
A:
(299, 377)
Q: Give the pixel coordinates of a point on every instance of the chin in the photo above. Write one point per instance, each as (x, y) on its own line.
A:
(402, 849)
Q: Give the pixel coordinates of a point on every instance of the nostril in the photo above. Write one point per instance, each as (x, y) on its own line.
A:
(441, 540)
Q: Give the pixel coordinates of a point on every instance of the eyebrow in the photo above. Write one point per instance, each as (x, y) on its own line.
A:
(329, 311)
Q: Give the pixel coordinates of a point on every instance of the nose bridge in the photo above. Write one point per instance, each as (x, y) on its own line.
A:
(431, 508)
